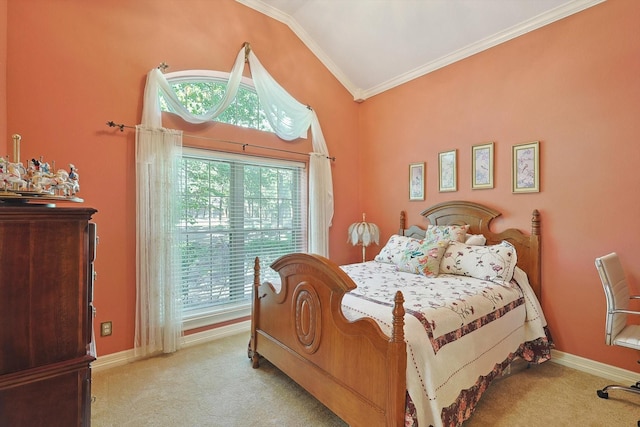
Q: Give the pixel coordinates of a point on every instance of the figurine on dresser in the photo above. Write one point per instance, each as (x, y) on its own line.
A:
(12, 175)
(36, 182)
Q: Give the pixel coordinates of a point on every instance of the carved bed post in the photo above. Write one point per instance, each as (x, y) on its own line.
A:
(535, 222)
(397, 333)
(535, 275)
(255, 311)
(398, 357)
(403, 222)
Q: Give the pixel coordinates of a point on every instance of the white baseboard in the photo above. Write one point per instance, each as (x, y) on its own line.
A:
(112, 360)
(617, 375)
(127, 356)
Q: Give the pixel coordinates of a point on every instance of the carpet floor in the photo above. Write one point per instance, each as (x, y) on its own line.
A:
(213, 384)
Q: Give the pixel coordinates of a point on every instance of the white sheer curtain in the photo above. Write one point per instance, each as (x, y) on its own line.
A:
(151, 113)
(290, 119)
(158, 309)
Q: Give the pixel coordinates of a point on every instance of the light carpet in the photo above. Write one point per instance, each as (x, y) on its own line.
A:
(213, 384)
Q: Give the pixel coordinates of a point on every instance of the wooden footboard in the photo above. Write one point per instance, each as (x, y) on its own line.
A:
(351, 367)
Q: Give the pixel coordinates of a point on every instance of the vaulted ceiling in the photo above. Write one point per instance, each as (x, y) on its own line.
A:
(374, 45)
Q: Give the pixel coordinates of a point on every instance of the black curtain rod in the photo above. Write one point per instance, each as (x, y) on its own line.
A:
(244, 144)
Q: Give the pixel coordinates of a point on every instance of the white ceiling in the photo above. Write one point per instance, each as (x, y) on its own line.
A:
(374, 45)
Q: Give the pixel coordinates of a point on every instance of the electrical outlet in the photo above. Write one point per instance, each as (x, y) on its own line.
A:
(105, 329)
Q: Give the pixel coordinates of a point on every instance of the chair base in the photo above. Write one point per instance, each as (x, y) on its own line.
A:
(604, 393)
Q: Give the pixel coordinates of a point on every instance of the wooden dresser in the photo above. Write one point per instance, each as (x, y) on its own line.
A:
(46, 287)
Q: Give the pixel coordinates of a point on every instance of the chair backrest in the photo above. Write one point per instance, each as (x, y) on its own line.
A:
(616, 291)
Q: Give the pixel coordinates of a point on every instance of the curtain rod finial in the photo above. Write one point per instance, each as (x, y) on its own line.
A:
(163, 66)
(247, 49)
(113, 124)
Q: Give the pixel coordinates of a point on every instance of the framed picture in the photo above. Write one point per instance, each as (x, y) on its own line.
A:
(448, 170)
(482, 166)
(416, 181)
(526, 168)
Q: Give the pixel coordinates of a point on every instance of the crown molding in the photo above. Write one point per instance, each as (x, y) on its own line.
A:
(361, 94)
(294, 26)
(482, 45)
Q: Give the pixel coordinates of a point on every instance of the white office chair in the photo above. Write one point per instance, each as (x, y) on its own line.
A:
(618, 332)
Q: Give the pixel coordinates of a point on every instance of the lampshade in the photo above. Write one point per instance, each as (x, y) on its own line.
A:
(364, 233)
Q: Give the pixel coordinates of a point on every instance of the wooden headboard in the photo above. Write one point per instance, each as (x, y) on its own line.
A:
(479, 217)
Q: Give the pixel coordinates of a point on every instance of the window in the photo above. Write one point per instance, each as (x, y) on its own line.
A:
(201, 90)
(234, 208)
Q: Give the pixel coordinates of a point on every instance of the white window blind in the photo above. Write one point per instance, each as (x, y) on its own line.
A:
(235, 208)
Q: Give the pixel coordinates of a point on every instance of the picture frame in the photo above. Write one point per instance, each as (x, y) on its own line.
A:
(482, 166)
(526, 167)
(448, 171)
(416, 180)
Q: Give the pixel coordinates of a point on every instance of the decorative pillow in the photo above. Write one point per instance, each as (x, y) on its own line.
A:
(495, 263)
(395, 248)
(423, 258)
(475, 240)
(454, 233)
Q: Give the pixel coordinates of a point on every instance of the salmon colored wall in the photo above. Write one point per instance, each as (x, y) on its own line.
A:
(3, 69)
(76, 64)
(574, 86)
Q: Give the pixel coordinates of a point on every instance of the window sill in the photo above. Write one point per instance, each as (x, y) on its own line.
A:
(210, 317)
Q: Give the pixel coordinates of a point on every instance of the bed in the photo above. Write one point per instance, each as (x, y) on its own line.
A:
(365, 342)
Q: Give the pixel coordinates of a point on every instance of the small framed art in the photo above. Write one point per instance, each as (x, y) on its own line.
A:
(416, 181)
(482, 166)
(526, 167)
(448, 170)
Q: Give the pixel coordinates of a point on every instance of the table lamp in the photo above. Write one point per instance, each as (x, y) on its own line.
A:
(364, 233)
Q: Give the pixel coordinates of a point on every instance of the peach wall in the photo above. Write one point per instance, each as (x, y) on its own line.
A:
(3, 69)
(74, 65)
(574, 86)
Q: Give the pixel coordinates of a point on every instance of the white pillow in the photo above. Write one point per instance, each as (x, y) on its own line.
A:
(495, 262)
(475, 240)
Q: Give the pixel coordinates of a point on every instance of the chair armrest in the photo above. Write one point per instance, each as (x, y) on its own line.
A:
(625, 311)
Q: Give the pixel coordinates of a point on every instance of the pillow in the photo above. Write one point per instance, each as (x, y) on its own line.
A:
(495, 263)
(393, 251)
(454, 233)
(475, 240)
(424, 257)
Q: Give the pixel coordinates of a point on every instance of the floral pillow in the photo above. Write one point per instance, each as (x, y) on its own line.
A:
(395, 248)
(495, 263)
(423, 258)
(454, 233)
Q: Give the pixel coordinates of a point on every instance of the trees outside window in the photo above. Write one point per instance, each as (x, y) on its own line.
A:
(234, 209)
(201, 93)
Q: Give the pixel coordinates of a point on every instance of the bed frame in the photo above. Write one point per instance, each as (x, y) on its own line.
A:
(353, 368)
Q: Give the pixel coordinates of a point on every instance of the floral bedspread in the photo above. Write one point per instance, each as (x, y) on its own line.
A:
(448, 306)
(460, 333)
